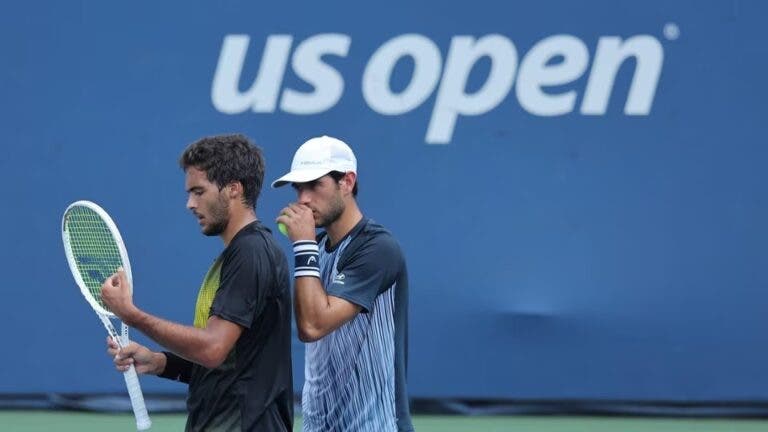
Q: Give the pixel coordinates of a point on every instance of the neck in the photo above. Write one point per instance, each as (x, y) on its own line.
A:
(337, 230)
(237, 221)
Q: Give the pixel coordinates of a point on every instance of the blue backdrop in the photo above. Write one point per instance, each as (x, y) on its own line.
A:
(579, 187)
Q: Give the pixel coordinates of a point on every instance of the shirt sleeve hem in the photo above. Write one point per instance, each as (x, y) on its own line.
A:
(365, 305)
(231, 318)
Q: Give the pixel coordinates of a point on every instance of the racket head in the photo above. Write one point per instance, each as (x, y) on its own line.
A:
(94, 249)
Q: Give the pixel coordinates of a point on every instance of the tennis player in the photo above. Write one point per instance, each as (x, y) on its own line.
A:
(236, 357)
(351, 298)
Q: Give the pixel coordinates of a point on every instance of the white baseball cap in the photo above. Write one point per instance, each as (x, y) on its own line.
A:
(316, 158)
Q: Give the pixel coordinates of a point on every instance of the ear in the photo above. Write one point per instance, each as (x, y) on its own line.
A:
(235, 190)
(347, 182)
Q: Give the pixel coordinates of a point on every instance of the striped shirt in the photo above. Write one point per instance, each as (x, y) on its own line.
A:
(355, 376)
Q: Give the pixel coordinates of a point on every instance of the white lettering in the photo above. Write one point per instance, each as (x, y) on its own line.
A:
(611, 53)
(262, 96)
(452, 100)
(550, 64)
(376, 78)
(308, 65)
(537, 71)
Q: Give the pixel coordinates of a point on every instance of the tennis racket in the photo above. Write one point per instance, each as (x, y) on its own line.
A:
(95, 251)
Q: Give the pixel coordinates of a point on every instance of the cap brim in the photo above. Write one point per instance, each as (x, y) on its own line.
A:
(301, 176)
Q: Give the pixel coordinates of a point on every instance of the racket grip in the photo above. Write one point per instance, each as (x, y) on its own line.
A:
(137, 399)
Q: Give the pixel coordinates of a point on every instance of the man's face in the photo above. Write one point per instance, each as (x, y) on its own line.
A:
(323, 196)
(209, 204)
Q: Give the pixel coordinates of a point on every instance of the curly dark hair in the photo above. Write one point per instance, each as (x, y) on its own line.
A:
(226, 159)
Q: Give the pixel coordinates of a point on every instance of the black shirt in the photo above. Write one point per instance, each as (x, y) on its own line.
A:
(252, 389)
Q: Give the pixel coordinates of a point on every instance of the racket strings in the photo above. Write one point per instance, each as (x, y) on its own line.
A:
(95, 250)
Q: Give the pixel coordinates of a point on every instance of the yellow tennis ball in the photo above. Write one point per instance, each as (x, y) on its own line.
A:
(282, 228)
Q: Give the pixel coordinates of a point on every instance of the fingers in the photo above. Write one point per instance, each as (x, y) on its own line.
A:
(299, 208)
(124, 357)
(107, 284)
(112, 347)
(294, 212)
(121, 357)
(116, 293)
(294, 209)
(299, 221)
(131, 354)
(113, 280)
(285, 215)
(122, 279)
(130, 350)
(123, 364)
(108, 288)
(118, 279)
(111, 343)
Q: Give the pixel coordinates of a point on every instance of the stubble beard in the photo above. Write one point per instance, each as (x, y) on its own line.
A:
(334, 213)
(219, 216)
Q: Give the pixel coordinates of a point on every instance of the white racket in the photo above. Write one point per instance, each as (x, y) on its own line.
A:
(95, 251)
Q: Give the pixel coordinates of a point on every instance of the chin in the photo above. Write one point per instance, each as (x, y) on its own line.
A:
(213, 230)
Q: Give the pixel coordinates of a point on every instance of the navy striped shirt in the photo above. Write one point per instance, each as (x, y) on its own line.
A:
(355, 376)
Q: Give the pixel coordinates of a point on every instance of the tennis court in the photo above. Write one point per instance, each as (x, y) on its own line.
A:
(39, 421)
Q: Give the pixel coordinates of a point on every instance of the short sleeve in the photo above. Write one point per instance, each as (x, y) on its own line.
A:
(243, 281)
(370, 270)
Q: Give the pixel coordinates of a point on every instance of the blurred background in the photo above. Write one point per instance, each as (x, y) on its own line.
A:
(579, 189)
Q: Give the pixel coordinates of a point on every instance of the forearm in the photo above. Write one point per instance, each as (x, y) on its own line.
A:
(310, 303)
(318, 313)
(188, 342)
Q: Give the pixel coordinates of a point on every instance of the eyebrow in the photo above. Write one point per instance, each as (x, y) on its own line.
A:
(310, 184)
(194, 189)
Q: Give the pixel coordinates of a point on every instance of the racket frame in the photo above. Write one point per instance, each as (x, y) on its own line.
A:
(143, 421)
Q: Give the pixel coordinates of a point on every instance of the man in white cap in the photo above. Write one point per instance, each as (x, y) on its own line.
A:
(351, 297)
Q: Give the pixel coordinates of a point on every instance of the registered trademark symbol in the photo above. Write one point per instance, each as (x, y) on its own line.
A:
(671, 31)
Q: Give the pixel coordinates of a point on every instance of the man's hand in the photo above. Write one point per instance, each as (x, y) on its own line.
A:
(145, 361)
(116, 294)
(299, 221)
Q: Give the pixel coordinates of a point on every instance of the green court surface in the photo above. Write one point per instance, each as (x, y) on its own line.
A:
(68, 421)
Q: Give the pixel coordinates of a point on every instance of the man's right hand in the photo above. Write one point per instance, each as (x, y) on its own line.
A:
(299, 221)
(145, 361)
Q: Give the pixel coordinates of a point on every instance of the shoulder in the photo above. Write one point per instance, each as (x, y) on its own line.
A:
(248, 236)
(254, 253)
(254, 239)
(374, 239)
(375, 233)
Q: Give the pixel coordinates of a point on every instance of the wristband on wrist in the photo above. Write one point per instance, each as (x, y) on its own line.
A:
(306, 259)
(176, 368)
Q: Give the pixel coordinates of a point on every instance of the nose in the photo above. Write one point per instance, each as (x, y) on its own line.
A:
(304, 196)
(191, 205)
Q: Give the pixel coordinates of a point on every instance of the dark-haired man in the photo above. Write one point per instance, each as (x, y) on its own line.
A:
(236, 357)
(350, 297)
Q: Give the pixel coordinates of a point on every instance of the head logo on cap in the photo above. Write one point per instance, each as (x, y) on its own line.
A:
(316, 158)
